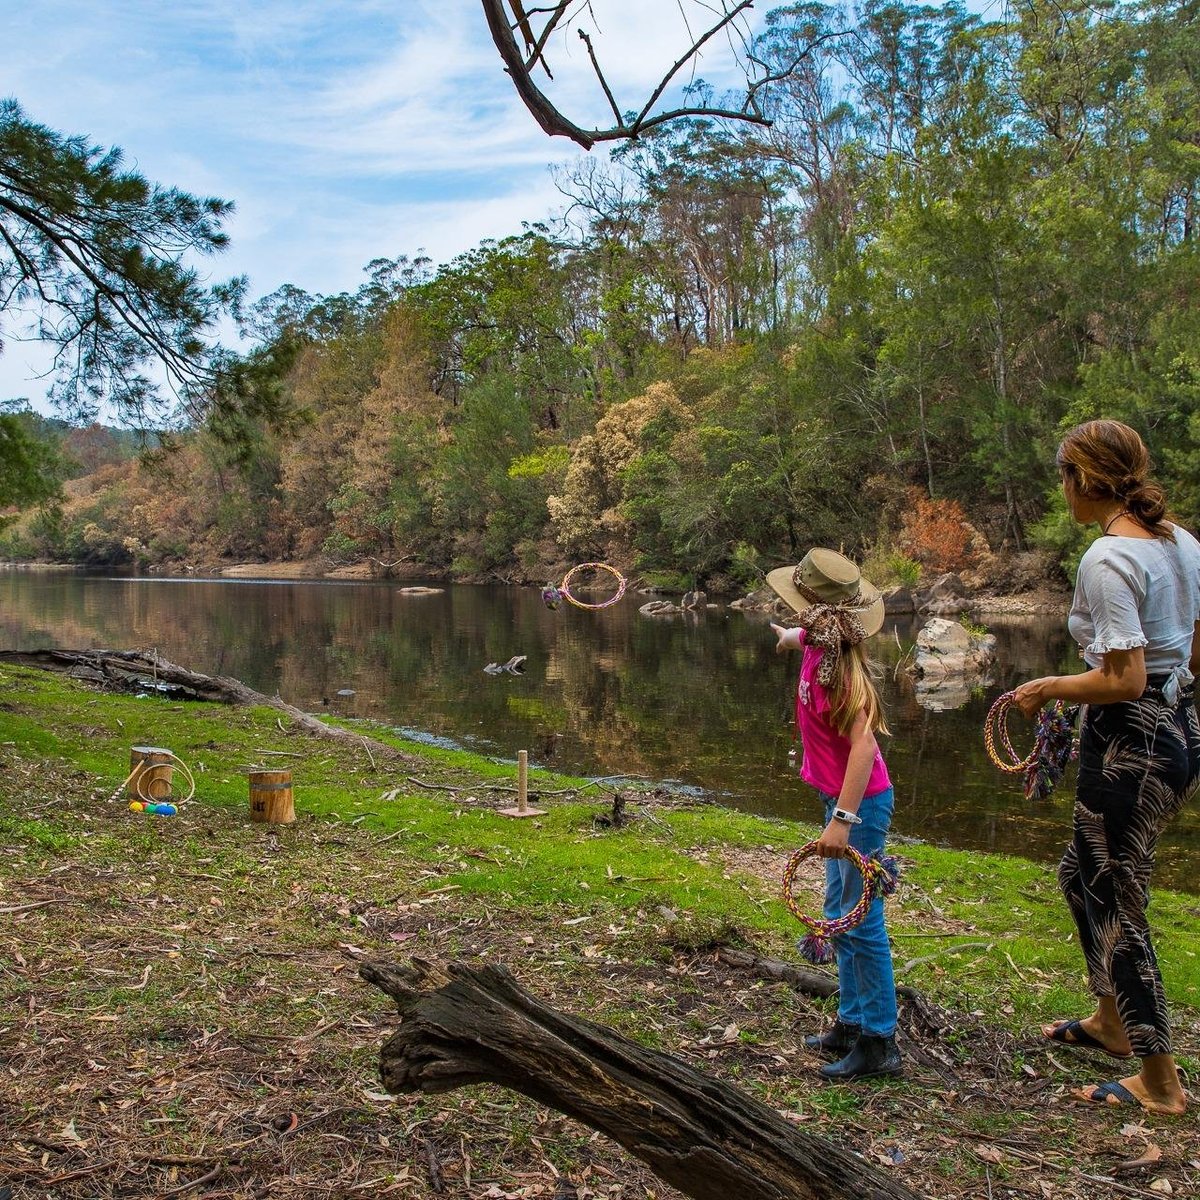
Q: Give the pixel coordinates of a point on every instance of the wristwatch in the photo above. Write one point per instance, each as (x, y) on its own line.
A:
(846, 817)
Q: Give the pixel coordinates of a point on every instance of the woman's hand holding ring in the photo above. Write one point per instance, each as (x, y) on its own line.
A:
(1030, 697)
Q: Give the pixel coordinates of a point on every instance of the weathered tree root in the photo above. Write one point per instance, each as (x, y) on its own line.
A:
(712, 1141)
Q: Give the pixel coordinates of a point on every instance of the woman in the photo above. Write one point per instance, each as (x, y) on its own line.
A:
(1135, 616)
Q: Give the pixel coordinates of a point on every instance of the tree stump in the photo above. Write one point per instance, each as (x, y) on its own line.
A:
(271, 797)
(712, 1141)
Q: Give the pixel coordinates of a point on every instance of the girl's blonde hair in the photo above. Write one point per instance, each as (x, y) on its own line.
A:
(854, 691)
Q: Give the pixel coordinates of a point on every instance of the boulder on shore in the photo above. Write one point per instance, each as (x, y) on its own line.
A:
(949, 648)
(950, 659)
(899, 600)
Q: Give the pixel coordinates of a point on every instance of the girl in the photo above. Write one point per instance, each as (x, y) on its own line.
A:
(837, 715)
(1136, 617)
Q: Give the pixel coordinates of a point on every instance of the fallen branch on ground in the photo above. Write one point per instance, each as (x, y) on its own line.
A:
(465, 1025)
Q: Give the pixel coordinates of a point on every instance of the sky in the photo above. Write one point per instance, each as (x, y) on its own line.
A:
(341, 131)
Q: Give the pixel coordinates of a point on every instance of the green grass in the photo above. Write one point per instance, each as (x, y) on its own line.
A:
(561, 867)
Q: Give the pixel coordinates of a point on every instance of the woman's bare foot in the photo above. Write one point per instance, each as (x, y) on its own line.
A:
(1091, 1033)
(1167, 1102)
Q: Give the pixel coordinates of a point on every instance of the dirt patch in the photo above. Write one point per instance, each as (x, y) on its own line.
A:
(182, 1014)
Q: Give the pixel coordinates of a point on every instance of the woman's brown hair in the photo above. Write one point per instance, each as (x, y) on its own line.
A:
(1107, 460)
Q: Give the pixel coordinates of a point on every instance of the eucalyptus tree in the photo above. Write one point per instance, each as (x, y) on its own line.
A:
(721, 221)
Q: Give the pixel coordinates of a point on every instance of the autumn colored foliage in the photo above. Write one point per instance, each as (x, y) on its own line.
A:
(936, 533)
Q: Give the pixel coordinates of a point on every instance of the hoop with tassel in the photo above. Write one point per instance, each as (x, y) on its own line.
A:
(1054, 745)
(880, 873)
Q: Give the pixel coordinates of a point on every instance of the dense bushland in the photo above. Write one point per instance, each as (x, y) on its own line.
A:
(865, 325)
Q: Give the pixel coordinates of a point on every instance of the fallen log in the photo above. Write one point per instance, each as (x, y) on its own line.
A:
(806, 979)
(465, 1025)
(133, 670)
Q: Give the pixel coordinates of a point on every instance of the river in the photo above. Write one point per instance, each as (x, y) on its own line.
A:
(700, 699)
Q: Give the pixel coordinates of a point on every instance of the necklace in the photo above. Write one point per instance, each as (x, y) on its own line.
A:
(1115, 518)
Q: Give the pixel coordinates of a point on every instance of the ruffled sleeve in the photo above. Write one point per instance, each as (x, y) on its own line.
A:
(1113, 593)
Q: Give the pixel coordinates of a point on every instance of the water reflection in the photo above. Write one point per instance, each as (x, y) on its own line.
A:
(701, 698)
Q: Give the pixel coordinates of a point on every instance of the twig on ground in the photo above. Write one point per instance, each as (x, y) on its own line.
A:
(20, 908)
(195, 1183)
(916, 962)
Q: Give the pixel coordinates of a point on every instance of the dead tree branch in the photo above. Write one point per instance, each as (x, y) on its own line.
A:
(519, 61)
(464, 1025)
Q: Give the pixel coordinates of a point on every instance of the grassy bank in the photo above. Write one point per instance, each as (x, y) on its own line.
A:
(181, 996)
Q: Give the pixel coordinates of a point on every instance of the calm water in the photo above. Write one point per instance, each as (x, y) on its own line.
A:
(701, 699)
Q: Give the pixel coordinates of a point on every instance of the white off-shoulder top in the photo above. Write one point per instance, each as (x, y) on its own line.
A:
(1133, 592)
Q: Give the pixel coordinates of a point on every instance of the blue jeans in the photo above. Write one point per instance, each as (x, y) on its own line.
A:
(866, 985)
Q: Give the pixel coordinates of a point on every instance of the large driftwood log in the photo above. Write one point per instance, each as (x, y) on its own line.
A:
(465, 1025)
(133, 669)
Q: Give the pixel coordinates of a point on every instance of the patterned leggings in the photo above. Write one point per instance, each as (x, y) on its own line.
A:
(1139, 761)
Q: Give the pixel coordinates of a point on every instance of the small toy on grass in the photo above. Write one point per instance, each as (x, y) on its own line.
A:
(150, 780)
(1053, 745)
(154, 807)
(880, 874)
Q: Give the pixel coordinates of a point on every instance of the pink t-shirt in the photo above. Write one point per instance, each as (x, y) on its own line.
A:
(826, 751)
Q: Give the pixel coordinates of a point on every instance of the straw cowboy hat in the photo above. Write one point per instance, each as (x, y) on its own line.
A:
(827, 577)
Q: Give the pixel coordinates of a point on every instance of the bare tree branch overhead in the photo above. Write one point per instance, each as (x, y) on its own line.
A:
(522, 47)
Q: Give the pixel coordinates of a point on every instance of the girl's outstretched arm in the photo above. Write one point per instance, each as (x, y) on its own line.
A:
(787, 638)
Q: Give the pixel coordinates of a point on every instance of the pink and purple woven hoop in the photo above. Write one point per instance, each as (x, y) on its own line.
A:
(1053, 745)
(564, 588)
(880, 874)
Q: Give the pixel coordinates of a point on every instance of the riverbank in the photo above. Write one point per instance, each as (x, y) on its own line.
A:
(184, 1003)
(1036, 602)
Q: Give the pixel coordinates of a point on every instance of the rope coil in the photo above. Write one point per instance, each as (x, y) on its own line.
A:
(143, 765)
(552, 595)
(880, 875)
(1054, 745)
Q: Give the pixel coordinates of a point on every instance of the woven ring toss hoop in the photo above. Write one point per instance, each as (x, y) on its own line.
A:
(1053, 745)
(997, 722)
(565, 587)
(879, 879)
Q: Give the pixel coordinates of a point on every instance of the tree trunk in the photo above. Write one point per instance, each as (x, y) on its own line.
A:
(712, 1141)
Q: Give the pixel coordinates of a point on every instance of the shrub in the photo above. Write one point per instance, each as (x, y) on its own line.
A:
(937, 534)
(888, 566)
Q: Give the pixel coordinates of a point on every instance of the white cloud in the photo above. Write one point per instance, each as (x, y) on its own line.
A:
(342, 132)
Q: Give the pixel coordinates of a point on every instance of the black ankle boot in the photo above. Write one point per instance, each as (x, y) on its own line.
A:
(871, 1055)
(835, 1041)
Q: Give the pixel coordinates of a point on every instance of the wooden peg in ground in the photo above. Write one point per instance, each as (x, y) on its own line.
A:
(522, 808)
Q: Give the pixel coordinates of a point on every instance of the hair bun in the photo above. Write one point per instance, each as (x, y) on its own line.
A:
(1129, 484)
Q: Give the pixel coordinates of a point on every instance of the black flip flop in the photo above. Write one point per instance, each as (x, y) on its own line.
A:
(1113, 1093)
(1080, 1037)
